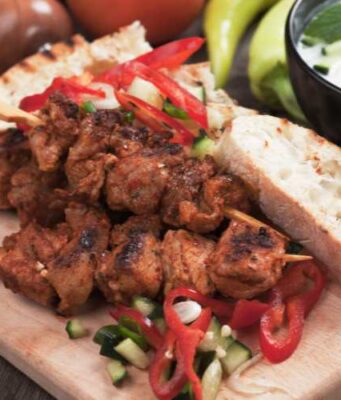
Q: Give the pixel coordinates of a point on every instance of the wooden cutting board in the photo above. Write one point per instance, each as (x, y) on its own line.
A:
(34, 340)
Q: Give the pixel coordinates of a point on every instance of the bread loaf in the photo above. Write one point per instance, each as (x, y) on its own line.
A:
(297, 177)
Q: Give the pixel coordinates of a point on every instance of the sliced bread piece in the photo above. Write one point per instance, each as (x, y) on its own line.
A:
(297, 176)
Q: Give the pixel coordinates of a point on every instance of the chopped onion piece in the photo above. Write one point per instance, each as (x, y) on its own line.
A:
(109, 102)
(188, 311)
(248, 387)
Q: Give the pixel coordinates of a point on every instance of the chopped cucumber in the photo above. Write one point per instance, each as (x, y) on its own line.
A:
(129, 117)
(236, 355)
(197, 91)
(309, 41)
(133, 353)
(135, 337)
(117, 371)
(211, 380)
(175, 112)
(130, 324)
(157, 313)
(160, 323)
(88, 107)
(146, 91)
(202, 146)
(333, 49)
(144, 305)
(75, 329)
(110, 331)
(322, 68)
(107, 348)
(213, 338)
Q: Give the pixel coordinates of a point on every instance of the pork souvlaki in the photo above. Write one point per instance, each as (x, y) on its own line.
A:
(116, 190)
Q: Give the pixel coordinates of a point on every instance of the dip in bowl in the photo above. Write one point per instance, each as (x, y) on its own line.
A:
(313, 38)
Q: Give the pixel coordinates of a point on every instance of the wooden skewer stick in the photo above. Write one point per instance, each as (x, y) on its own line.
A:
(237, 215)
(10, 113)
(296, 257)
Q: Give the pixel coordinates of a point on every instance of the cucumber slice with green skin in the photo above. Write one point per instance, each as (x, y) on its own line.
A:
(322, 68)
(157, 313)
(202, 146)
(110, 331)
(175, 112)
(130, 324)
(146, 91)
(133, 353)
(107, 348)
(236, 355)
(310, 41)
(213, 338)
(88, 107)
(135, 337)
(144, 305)
(211, 380)
(75, 329)
(117, 371)
(161, 325)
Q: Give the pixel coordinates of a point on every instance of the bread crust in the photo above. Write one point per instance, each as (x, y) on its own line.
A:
(248, 149)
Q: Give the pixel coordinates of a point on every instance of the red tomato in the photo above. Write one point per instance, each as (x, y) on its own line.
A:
(163, 19)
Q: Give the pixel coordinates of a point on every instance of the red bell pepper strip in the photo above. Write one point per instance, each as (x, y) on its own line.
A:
(246, 313)
(173, 54)
(148, 328)
(69, 87)
(184, 361)
(154, 118)
(291, 298)
(161, 362)
(170, 55)
(179, 96)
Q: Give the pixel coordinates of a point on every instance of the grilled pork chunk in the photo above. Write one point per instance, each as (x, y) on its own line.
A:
(247, 260)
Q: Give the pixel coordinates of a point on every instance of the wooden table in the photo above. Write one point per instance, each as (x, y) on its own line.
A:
(16, 386)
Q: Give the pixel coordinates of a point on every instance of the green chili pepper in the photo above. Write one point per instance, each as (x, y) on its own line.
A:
(175, 112)
(88, 107)
(225, 22)
(268, 71)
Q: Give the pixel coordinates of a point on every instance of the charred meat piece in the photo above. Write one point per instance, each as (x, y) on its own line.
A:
(132, 268)
(50, 142)
(32, 194)
(90, 156)
(135, 225)
(137, 183)
(206, 213)
(14, 153)
(184, 256)
(25, 256)
(247, 260)
(71, 273)
(195, 196)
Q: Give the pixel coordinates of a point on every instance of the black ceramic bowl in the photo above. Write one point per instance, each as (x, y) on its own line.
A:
(320, 100)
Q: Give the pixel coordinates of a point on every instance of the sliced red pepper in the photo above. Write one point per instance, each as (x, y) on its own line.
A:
(179, 96)
(292, 299)
(170, 55)
(277, 348)
(154, 118)
(246, 313)
(69, 87)
(161, 363)
(148, 328)
(173, 54)
(185, 353)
